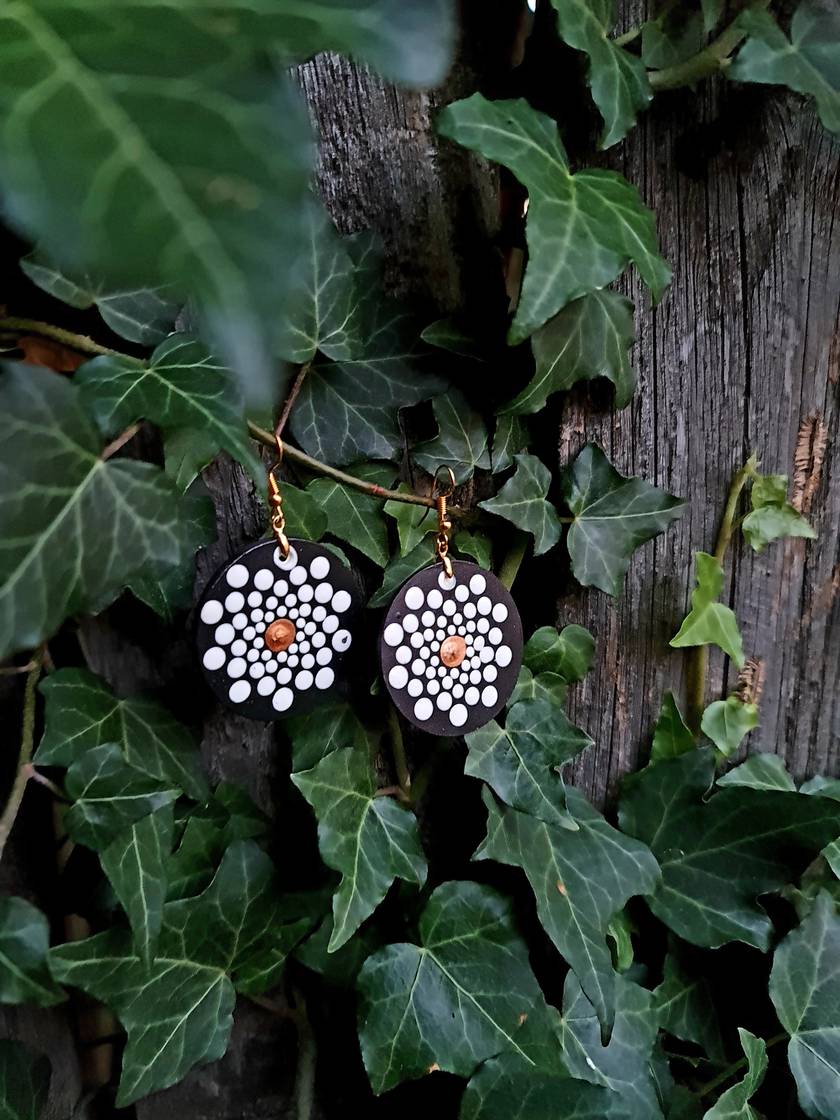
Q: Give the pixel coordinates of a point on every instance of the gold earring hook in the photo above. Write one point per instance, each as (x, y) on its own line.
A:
(444, 524)
(275, 501)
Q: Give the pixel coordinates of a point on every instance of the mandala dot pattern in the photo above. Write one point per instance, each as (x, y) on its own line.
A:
(451, 648)
(272, 633)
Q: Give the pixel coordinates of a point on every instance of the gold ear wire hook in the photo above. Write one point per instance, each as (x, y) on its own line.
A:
(444, 524)
(275, 501)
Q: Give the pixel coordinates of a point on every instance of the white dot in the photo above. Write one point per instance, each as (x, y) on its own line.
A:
(472, 696)
(306, 592)
(403, 655)
(224, 634)
(410, 623)
(324, 678)
(310, 629)
(433, 688)
(291, 599)
(283, 699)
(418, 667)
(235, 602)
(237, 667)
(305, 610)
(428, 618)
(211, 612)
(293, 661)
(319, 640)
(257, 615)
(252, 655)
(423, 708)
(482, 626)
(293, 613)
(461, 593)
(264, 579)
(414, 598)
(240, 621)
(440, 635)
(425, 653)
(429, 635)
(319, 568)
(449, 607)
(249, 633)
(431, 672)
(257, 671)
(304, 680)
(415, 688)
(319, 614)
(330, 624)
(469, 610)
(446, 582)
(495, 636)
(270, 616)
(475, 677)
(486, 655)
(298, 576)
(504, 656)
(286, 565)
(457, 691)
(271, 602)
(457, 619)
(237, 576)
(341, 641)
(446, 679)
(458, 715)
(434, 598)
(284, 676)
(416, 640)
(489, 697)
(239, 691)
(477, 583)
(478, 642)
(341, 601)
(484, 605)
(280, 588)
(500, 612)
(266, 686)
(393, 634)
(323, 656)
(214, 658)
(444, 701)
(282, 655)
(266, 656)
(307, 661)
(303, 646)
(323, 592)
(398, 677)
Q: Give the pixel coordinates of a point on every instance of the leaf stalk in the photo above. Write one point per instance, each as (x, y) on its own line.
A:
(27, 740)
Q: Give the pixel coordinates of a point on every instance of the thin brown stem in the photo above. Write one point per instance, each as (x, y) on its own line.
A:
(41, 779)
(74, 341)
(391, 791)
(122, 439)
(297, 385)
(27, 739)
(398, 752)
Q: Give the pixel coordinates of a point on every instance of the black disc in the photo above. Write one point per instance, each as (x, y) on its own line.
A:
(258, 602)
(451, 649)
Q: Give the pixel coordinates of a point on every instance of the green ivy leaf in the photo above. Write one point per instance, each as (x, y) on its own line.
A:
(145, 316)
(719, 854)
(710, 622)
(671, 736)
(370, 840)
(522, 502)
(805, 990)
(806, 62)
(398, 571)
(24, 1081)
(82, 713)
(618, 79)
(569, 654)
(449, 334)
(177, 1014)
(340, 968)
(413, 522)
(582, 229)
(510, 438)
(772, 514)
(304, 516)
(726, 722)
(136, 865)
(589, 338)
(580, 880)
(503, 1089)
(543, 686)
(613, 516)
(624, 1066)
(673, 36)
(108, 796)
(522, 761)
(734, 1103)
(24, 945)
(465, 993)
(760, 771)
(476, 546)
(461, 442)
(355, 517)
(686, 1010)
(75, 529)
(317, 734)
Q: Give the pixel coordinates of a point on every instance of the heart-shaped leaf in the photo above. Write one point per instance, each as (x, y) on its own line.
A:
(568, 654)
(461, 442)
(772, 515)
(355, 517)
(522, 501)
(24, 945)
(327, 729)
(726, 722)
(710, 622)
(582, 229)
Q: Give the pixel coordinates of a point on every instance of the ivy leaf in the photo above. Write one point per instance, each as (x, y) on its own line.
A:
(398, 571)
(589, 338)
(177, 1014)
(673, 36)
(761, 771)
(726, 722)
(464, 994)
(304, 513)
(75, 529)
(82, 713)
(109, 795)
(511, 437)
(317, 314)
(355, 517)
(521, 762)
(522, 502)
(719, 855)
(582, 229)
(671, 736)
(475, 545)
(805, 990)
(24, 945)
(613, 516)
(686, 1010)
(772, 514)
(370, 840)
(503, 1089)
(710, 622)
(136, 865)
(806, 62)
(568, 654)
(319, 733)
(580, 880)
(624, 1066)
(734, 1103)
(461, 442)
(413, 522)
(181, 386)
(449, 334)
(618, 79)
(24, 1081)
(543, 686)
(145, 316)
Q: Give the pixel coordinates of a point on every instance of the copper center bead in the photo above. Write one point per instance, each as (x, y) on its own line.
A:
(452, 651)
(280, 634)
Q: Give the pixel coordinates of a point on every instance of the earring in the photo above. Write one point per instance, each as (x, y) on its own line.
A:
(451, 643)
(274, 622)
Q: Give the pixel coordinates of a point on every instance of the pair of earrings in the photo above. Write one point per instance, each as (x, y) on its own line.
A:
(276, 625)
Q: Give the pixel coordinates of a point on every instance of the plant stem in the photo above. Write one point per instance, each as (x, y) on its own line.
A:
(510, 565)
(711, 60)
(698, 661)
(120, 441)
(398, 751)
(307, 1060)
(74, 341)
(27, 739)
(297, 385)
(735, 1067)
(627, 37)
